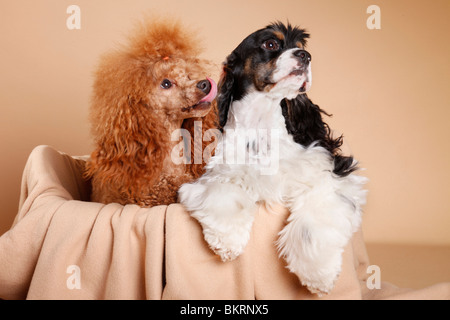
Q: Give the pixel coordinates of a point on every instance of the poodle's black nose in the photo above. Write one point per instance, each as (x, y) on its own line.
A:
(205, 86)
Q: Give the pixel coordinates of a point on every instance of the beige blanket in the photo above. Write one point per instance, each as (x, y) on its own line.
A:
(63, 247)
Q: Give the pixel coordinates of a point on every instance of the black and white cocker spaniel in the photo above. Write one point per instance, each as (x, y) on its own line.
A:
(276, 148)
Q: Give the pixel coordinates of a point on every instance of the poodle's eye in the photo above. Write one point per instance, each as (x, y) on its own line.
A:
(166, 84)
(271, 45)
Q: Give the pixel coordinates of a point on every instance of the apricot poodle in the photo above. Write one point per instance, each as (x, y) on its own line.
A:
(143, 93)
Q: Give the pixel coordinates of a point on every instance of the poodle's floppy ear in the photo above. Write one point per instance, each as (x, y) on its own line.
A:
(226, 88)
(122, 144)
(119, 115)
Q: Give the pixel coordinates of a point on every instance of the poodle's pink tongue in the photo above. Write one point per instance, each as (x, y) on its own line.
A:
(212, 93)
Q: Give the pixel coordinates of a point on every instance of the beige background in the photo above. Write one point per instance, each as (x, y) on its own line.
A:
(388, 89)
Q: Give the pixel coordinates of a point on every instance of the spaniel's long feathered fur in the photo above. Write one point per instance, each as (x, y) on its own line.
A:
(133, 116)
(288, 155)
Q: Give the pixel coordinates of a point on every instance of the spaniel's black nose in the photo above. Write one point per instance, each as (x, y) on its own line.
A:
(205, 86)
(304, 55)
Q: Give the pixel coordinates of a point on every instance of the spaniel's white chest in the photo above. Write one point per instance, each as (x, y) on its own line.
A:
(253, 134)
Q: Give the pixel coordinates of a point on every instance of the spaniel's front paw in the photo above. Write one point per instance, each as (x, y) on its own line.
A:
(225, 213)
(320, 286)
(228, 246)
(319, 275)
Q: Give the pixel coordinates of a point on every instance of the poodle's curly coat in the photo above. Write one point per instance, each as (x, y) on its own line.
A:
(133, 116)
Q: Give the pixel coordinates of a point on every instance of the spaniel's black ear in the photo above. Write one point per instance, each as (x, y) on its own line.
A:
(226, 88)
(224, 96)
(304, 122)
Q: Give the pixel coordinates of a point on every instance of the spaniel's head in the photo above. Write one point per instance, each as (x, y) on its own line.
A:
(272, 60)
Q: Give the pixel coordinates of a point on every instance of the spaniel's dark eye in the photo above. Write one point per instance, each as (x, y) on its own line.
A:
(166, 84)
(271, 45)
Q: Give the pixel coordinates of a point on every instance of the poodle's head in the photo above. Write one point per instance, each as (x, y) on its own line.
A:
(143, 91)
(157, 78)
